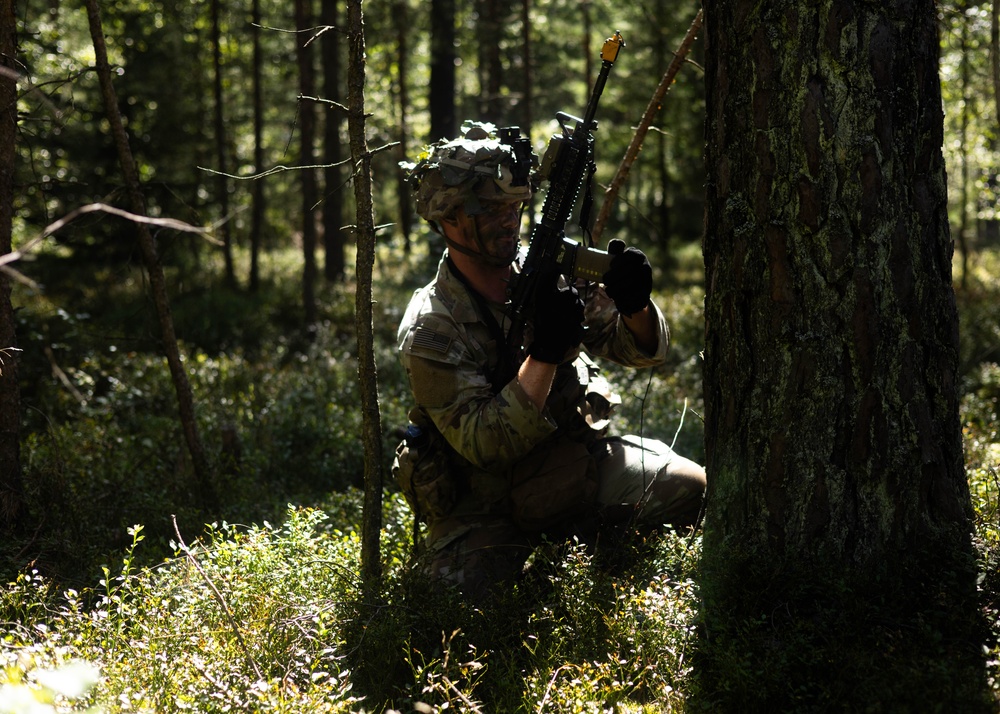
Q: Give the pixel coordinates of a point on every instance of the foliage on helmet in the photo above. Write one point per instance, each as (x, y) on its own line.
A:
(471, 171)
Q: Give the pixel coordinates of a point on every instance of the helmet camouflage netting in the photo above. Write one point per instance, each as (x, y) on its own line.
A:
(470, 171)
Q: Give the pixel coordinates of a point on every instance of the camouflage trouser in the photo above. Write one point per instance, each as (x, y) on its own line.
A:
(642, 479)
(647, 479)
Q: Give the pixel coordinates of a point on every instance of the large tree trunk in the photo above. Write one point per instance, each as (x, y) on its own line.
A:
(307, 174)
(371, 427)
(11, 505)
(834, 447)
(151, 258)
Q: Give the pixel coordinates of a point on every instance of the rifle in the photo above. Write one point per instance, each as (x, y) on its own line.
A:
(567, 163)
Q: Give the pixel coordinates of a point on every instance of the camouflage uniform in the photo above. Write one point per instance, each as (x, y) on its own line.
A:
(494, 433)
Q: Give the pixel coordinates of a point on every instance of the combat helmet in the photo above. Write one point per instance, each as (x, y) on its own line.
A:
(485, 165)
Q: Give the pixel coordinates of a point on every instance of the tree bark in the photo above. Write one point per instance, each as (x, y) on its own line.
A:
(371, 564)
(151, 258)
(307, 175)
(11, 495)
(834, 445)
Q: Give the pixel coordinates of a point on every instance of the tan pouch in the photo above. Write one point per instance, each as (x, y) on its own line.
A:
(553, 485)
(424, 475)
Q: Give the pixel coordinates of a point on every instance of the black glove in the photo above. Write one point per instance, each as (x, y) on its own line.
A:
(558, 321)
(629, 280)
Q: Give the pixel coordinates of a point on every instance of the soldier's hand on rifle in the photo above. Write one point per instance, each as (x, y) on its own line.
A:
(629, 280)
(558, 321)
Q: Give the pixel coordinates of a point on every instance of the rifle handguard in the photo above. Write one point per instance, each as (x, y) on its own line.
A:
(567, 164)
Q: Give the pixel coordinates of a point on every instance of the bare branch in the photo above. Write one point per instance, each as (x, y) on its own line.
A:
(320, 100)
(59, 374)
(171, 223)
(384, 147)
(52, 228)
(218, 596)
(655, 103)
(273, 170)
(317, 31)
(352, 227)
(9, 352)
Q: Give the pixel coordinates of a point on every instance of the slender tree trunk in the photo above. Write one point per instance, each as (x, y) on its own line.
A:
(442, 83)
(661, 197)
(257, 210)
(151, 258)
(492, 15)
(967, 111)
(442, 91)
(527, 101)
(371, 564)
(333, 203)
(221, 181)
(402, 17)
(307, 127)
(834, 445)
(652, 109)
(991, 225)
(995, 56)
(588, 65)
(11, 497)
(662, 200)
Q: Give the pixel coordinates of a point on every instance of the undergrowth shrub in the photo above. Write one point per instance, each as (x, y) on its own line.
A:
(243, 620)
(981, 431)
(279, 427)
(576, 634)
(273, 618)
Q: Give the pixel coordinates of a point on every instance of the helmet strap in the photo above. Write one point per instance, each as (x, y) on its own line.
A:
(481, 255)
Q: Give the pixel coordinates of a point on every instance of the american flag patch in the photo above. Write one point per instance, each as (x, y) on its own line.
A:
(430, 340)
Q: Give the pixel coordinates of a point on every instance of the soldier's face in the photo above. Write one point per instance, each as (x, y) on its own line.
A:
(499, 230)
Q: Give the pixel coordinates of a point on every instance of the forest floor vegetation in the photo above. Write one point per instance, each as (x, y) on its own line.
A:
(119, 597)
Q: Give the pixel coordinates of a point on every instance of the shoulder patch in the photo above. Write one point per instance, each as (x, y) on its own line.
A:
(425, 338)
(433, 339)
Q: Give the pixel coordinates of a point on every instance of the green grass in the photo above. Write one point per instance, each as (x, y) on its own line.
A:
(262, 610)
